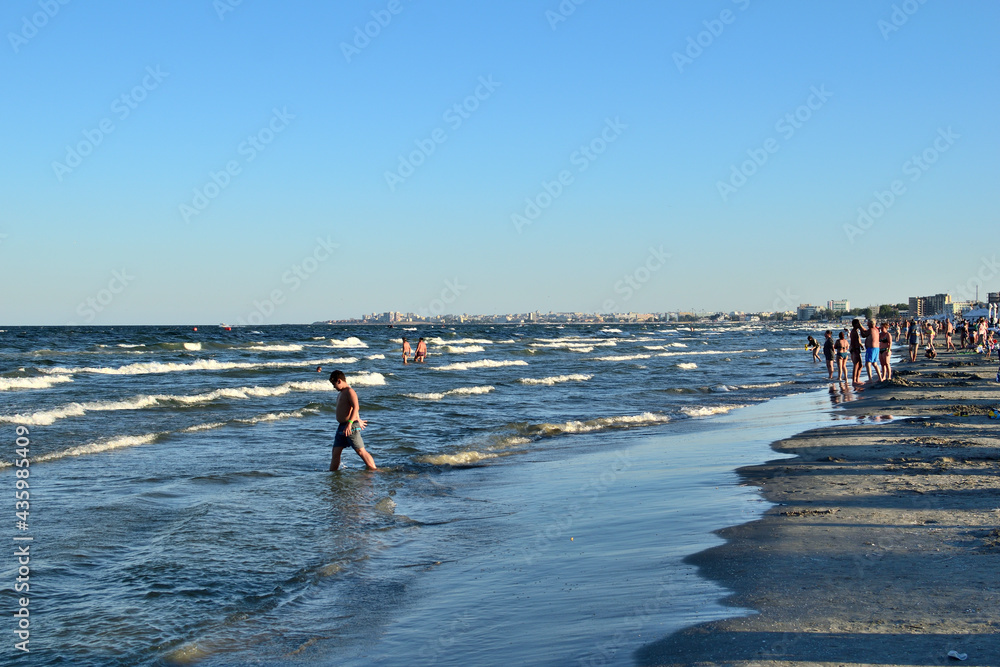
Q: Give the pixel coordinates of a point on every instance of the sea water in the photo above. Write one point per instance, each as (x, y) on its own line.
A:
(538, 488)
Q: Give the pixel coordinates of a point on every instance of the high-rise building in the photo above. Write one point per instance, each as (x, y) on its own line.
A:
(926, 306)
(840, 306)
(806, 311)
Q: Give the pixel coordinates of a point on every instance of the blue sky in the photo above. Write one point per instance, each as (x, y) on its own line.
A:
(120, 235)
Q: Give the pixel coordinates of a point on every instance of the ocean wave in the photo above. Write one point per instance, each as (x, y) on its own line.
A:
(555, 379)
(276, 348)
(151, 367)
(623, 357)
(573, 340)
(366, 379)
(599, 424)
(99, 446)
(351, 341)
(121, 442)
(495, 447)
(460, 391)
(47, 417)
(611, 330)
(7, 384)
(372, 357)
(192, 347)
(768, 385)
(664, 347)
(459, 341)
(459, 458)
(482, 363)
(708, 411)
(687, 366)
(703, 352)
(574, 343)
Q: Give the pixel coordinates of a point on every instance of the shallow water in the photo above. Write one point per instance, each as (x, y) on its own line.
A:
(181, 512)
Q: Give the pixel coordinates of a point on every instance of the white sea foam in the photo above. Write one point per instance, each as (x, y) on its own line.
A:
(193, 347)
(276, 348)
(576, 343)
(461, 458)
(709, 411)
(366, 379)
(687, 366)
(623, 357)
(351, 341)
(460, 391)
(149, 367)
(556, 379)
(611, 330)
(6, 384)
(372, 357)
(482, 363)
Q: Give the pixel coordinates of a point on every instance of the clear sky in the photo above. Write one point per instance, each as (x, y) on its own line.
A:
(347, 181)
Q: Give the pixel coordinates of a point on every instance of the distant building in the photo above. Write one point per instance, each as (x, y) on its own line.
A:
(994, 297)
(838, 307)
(928, 306)
(806, 311)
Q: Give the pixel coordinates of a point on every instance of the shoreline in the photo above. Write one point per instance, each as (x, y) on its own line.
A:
(882, 544)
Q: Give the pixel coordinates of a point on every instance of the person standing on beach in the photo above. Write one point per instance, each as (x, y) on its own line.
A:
(828, 353)
(856, 350)
(872, 334)
(911, 340)
(949, 329)
(884, 350)
(421, 354)
(842, 346)
(348, 435)
(406, 351)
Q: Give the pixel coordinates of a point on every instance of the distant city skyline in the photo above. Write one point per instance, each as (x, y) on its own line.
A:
(219, 161)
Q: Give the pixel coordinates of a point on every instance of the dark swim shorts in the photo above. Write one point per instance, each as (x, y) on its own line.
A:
(353, 440)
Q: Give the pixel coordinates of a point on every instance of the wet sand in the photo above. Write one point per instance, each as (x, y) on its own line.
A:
(883, 547)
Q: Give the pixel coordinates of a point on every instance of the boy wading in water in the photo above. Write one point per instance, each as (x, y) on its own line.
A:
(349, 424)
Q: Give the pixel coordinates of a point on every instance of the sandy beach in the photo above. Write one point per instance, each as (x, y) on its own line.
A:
(883, 546)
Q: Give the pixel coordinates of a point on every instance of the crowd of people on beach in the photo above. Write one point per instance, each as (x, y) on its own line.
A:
(869, 346)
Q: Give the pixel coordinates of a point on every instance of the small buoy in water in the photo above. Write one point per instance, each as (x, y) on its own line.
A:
(195, 329)
(571, 539)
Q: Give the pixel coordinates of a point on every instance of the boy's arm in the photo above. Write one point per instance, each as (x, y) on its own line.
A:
(352, 414)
